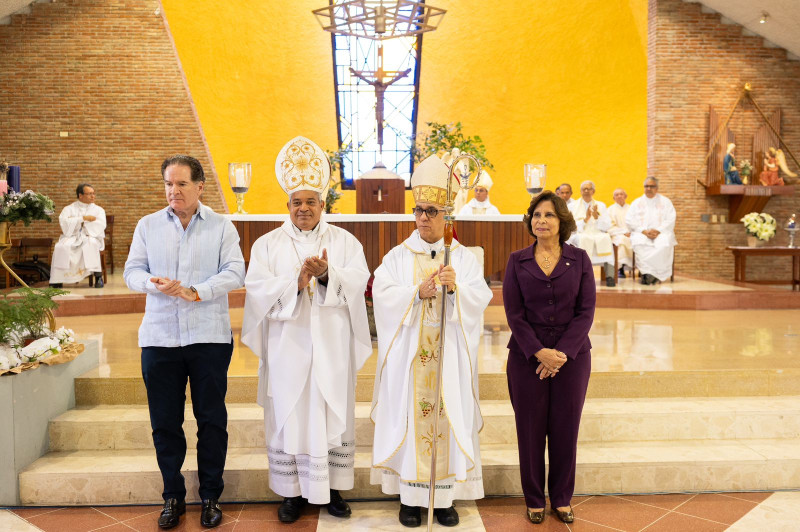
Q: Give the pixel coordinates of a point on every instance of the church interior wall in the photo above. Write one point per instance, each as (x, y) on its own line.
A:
(697, 61)
(106, 74)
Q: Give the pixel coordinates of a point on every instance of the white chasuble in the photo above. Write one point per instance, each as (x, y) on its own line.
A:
(77, 252)
(479, 207)
(592, 236)
(653, 256)
(405, 384)
(310, 345)
(616, 214)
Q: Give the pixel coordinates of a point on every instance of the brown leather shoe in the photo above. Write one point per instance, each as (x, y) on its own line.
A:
(566, 517)
(536, 517)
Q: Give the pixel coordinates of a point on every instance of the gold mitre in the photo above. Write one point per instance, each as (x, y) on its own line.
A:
(302, 165)
(485, 181)
(429, 182)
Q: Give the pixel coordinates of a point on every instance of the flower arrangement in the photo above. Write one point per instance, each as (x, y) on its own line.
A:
(760, 225)
(746, 168)
(16, 358)
(25, 207)
(445, 137)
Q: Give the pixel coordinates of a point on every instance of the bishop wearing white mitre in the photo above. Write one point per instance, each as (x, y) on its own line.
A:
(651, 220)
(480, 204)
(305, 317)
(407, 294)
(593, 223)
(77, 253)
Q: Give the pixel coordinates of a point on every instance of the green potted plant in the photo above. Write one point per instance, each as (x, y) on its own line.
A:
(337, 165)
(22, 207)
(445, 137)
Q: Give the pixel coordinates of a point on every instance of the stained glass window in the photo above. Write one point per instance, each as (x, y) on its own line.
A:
(355, 104)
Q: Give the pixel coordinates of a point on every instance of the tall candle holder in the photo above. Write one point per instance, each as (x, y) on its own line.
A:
(239, 175)
(535, 178)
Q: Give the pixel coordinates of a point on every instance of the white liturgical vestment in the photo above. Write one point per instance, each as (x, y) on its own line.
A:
(404, 391)
(653, 256)
(77, 253)
(479, 207)
(310, 345)
(592, 236)
(618, 229)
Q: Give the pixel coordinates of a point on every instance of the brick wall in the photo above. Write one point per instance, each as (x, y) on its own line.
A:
(694, 60)
(106, 72)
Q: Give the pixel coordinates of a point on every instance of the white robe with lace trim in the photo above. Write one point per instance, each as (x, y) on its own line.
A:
(618, 229)
(398, 313)
(310, 350)
(592, 236)
(77, 253)
(653, 256)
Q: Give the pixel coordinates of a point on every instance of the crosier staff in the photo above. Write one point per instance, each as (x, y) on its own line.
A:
(449, 218)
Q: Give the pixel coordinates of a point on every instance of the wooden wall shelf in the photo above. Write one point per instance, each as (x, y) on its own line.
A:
(745, 199)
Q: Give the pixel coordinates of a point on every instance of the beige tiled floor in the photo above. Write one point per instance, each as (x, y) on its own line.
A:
(623, 340)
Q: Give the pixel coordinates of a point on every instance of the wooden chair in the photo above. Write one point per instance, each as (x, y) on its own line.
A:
(109, 247)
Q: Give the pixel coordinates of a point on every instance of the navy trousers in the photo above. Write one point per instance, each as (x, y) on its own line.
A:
(165, 371)
(547, 411)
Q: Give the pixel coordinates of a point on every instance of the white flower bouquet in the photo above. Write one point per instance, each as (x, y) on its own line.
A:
(760, 225)
(44, 350)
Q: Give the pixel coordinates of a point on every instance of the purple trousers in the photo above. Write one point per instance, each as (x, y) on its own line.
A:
(547, 411)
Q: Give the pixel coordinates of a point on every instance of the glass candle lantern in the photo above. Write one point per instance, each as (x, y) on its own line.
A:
(239, 178)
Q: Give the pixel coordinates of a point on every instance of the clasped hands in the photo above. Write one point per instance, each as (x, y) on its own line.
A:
(313, 267)
(591, 212)
(550, 361)
(89, 218)
(172, 287)
(651, 233)
(447, 276)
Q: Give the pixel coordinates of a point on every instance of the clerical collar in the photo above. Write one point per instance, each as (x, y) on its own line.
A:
(484, 203)
(437, 246)
(306, 234)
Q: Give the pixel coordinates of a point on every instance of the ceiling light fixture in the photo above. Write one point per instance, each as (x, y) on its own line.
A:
(764, 16)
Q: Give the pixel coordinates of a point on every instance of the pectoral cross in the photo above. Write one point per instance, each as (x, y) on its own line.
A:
(376, 79)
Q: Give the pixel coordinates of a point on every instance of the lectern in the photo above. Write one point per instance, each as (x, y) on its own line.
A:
(380, 191)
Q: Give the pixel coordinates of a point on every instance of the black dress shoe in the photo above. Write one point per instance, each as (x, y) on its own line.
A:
(566, 517)
(338, 507)
(98, 282)
(610, 281)
(446, 516)
(171, 514)
(622, 273)
(290, 509)
(211, 515)
(536, 517)
(410, 516)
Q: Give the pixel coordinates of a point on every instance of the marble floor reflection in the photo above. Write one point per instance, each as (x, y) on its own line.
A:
(623, 340)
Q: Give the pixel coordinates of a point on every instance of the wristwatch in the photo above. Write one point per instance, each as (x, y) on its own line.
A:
(196, 295)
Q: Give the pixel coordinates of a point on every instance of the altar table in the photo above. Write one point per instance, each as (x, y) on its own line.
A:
(740, 254)
(499, 235)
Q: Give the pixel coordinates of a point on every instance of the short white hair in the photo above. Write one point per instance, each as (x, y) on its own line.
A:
(651, 178)
(588, 182)
(620, 189)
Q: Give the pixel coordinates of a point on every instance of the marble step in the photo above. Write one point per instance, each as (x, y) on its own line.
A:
(604, 420)
(132, 476)
(94, 389)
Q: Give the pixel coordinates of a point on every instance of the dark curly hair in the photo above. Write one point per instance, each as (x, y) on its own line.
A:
(566, 222)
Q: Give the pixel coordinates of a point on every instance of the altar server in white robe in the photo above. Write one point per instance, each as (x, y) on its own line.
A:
(305, 317)
(593, 223)
(480, 204)
(77, 253)
(620, 234)
(407, 292)
(651, 220)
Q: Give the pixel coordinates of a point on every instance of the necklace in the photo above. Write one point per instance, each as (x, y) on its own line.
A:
(546, 262)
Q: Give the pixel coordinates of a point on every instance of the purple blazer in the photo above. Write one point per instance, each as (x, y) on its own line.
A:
(555, 312)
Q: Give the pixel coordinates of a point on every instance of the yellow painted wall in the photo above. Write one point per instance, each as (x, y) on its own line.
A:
(562, 83)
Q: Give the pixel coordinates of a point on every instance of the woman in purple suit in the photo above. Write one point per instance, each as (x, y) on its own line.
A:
(549, 297)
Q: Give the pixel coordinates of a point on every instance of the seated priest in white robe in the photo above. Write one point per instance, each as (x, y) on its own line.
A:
(77, 253)
(651, 220)
(407, 295)
(305, 317)
(620, 234)
(480, 204)
(564, 191)
(592, 235)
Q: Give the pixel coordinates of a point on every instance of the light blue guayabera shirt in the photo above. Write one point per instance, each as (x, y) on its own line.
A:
(205, 255)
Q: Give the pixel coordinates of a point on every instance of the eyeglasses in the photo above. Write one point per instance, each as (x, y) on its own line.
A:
(651, 186)
(432, 212)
